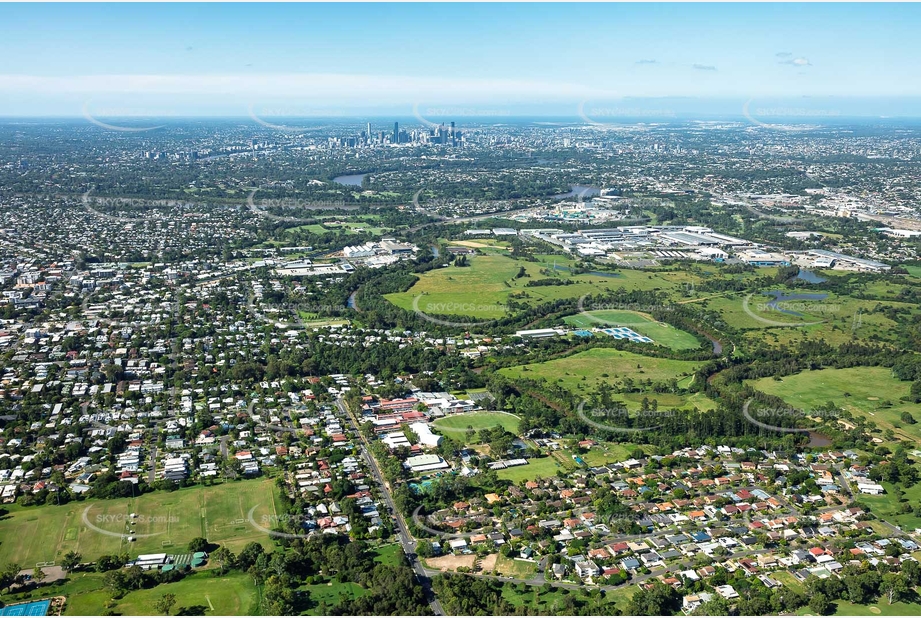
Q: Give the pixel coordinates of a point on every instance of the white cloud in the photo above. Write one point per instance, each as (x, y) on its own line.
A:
(313, 86)
(797, 62)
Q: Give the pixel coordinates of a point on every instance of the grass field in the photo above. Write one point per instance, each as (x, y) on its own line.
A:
(833, 319)
(608, 452)
(330, 593)
(232, 594)
(455, 426)
(888, 507)
(786, 578)
(583, 372)
(481, 289)
(552, 602)
(661, 333)
(390, 554)
(519, 569)
(880, 608)
(218, 513)
(863, 391)
(313, 320)
(541, 467)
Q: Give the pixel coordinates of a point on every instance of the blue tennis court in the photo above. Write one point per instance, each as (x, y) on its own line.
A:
(35, 608)
(622, 332)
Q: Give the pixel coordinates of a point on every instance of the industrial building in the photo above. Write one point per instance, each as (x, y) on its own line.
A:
(858, 263)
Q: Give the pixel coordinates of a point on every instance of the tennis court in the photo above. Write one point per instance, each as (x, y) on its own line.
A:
(35, 608)
(622, 332)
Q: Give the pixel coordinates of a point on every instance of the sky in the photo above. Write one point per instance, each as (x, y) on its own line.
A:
(453, 60)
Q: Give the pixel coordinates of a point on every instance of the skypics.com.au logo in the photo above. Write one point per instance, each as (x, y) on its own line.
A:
(768, 417)
(292, 203)
(613, 524)
(792, 119)
(450, 112)
(619, 113)
(104, 523)
(269, 524)
(90, 204)
(587, 306)
(276, 312)
(619, 419)
(794, 305)
(120, 113)
(427, 310)
(273, 117)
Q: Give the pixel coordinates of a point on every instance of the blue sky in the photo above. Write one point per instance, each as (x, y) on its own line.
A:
(322, 59)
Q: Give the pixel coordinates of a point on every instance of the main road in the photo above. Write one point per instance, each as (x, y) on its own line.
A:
(403, 535)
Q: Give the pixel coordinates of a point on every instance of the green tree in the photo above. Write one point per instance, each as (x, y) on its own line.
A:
(224, 558)
(198, 544)
(70, 561)
(165, 603)
(38, 575)
(819, 604)
(894, 586)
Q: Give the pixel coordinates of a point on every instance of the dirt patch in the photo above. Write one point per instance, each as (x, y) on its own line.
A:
(488, 563)
(473, 244)
(452, 562)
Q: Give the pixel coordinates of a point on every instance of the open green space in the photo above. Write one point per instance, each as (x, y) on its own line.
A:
(391, 554)
(313, 320)
(888, 507)
(660, 332)
(582, 373)
(228, 595)
(517, 568)
(329, 594)
(880, 608)
(835, 319)
(607, 453)
(538, 467)
(231, 595)
(455, 426)
(482, 289)
(166, 522)
(787, 579)
(871, 392)
(553, 602)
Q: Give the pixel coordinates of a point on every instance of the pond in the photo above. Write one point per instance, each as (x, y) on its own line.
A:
(810, 277)
(351, 180)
